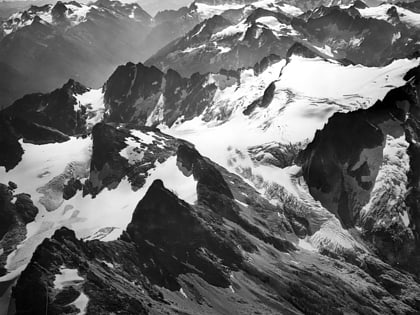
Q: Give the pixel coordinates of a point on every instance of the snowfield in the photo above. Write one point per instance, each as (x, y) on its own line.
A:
(301, 105)
(93, 100)
(43, 173)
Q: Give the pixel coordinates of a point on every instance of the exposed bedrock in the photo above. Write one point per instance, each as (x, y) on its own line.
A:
(350, 165)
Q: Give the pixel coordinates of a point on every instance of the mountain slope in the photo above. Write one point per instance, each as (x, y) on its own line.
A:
(348, 34)
(50, 44)
(256, 225)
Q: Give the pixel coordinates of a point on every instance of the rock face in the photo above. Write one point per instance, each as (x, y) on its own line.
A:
(15, 212)
(377, 46)
(346, 164)
(54, 110)
(140, 94)
(108, 167)
(40, 119)
(193, 248)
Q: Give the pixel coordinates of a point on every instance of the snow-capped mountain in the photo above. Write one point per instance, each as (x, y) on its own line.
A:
(354, 34)
(286, 183)
(69, 15)
(46, 45)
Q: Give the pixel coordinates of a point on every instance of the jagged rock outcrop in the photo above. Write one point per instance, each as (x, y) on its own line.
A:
(15, 212)
(193, 248)
(53, 110)
(140, 94)
(367, 41)
(108, 166)
(40, 119)
(176, 257)
(347, 162)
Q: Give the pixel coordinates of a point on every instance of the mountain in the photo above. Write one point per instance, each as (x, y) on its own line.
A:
(7, 8)
(49, 44)
(285, 184)
(356, 34)
(240, 183)
(365, 170)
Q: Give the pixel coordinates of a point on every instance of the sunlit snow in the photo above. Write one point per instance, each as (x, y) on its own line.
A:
(93, 100)
(66, 277)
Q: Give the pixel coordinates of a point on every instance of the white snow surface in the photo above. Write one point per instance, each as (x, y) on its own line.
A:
(103, 217)
(323, 79)
(290, 9)
(391, 183)
(207, 11)
(70, 277)
(302, 104)
(174, 180)
(81, 303)
(67, 277)
(306, 244)
(278, 28)
(230, 31)
(93, 100)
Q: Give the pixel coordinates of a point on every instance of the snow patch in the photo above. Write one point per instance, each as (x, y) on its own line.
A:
(306, 245)
(206, 11)
(66, 278)
(183, 293)
(390, 187)
(81, 303)
(184, 187)
(93, 101)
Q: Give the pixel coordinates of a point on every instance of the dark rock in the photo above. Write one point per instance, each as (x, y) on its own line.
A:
(376, 47)
(13, 219)
(58, 11)
(181, 235)
(214, 193)
(11, 151)
(358, 4)
(107, 166)
(12, 185)
(265, 63)
(8, 218)
(40, 114)
(133, 92)
(25, 208)
(264, 101)
(128, 84)
(67, 296)
(341, 165)
(71, 188)
(278, 154)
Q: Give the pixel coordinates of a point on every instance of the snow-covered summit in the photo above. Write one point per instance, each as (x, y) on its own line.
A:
(69, 14)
